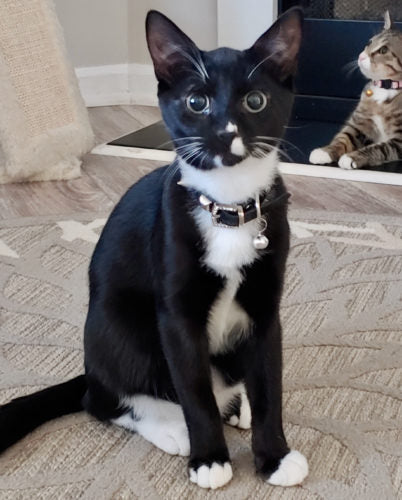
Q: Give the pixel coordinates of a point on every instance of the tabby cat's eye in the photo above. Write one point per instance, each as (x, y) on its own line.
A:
(255, 101)
(383, 50)
(198, 103)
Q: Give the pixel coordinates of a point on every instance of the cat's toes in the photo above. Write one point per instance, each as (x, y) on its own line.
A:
(292, 470)
(211, 476)
(346, 162)
(173, 439)
(320, 157)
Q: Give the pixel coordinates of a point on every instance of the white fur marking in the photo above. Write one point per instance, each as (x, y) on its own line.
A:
(217, 162)
(227, 321)
(233, 420)
(224, 394)
(212, 477)
(232, 184)
(231, 127)
(346, 162)
(227, 249)
(245, 412)
(158, 421)
(243, 421)
(293, 469)
(381, 95)
(237, 147)
(319, 157)
(379, 123)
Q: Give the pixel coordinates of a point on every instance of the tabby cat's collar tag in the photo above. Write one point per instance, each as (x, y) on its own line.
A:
(369, 92)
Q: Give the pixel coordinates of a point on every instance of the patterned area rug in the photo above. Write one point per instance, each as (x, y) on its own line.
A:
(342, 314)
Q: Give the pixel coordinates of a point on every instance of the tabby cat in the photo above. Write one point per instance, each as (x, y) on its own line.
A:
(183, 327)
(373, 133)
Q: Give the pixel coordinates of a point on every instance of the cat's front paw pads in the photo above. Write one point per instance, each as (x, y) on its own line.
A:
(243, 421)
(347, 162)
(292, 470)
(320, 157)
(211, 476)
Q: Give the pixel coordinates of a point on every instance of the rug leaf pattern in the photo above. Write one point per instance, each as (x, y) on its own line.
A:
(341, 314)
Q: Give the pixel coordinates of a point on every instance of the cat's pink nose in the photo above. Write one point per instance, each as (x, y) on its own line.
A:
(362, 56)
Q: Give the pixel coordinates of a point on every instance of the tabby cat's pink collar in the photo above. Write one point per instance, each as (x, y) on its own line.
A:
(388, 84)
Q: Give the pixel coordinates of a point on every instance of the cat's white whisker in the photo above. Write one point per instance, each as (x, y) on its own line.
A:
(278, 140)
(258, 65)
(197, 62)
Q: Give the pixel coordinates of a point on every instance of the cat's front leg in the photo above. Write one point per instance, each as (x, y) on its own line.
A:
(273, 459)
(347, 140)
(372, 155)
(185, 346)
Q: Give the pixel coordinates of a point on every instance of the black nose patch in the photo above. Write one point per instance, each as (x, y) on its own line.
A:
(226, 137)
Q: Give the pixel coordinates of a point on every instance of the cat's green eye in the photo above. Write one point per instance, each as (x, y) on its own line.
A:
(198, 103)
(255, 101)
(383, 50)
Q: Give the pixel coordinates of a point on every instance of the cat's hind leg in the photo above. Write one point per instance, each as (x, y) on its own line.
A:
(232, 401)
(158, 421)
(241, 417)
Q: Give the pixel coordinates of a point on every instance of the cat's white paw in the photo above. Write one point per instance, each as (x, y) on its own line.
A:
(213, 476)
(346, 162)
(171, 437)
(243, 421)
(320, 157)
(293, 468)
(176, 440)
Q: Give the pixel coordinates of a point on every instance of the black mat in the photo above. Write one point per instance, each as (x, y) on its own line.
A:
(303, 135)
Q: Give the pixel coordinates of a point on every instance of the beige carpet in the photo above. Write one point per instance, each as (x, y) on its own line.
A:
(342, 313)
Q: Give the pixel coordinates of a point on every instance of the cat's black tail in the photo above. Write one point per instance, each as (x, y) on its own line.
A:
(22, 415)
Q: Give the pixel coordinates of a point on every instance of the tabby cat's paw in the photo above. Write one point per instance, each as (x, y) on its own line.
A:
(292, 470)
(347, 162)
(320, 157)
(211, 476)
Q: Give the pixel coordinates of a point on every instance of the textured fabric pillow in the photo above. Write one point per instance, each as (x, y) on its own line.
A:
(44, 126)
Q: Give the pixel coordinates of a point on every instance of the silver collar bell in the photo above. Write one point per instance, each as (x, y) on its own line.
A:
(260, 242)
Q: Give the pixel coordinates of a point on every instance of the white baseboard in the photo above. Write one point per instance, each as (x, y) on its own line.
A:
(117, 84)
(285, 168)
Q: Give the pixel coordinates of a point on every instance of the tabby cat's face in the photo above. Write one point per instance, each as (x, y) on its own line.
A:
(225, 105)
(382, 57)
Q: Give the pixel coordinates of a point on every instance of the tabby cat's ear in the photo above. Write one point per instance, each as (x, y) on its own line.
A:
(280, 45)
(171, 50)
(387, 20)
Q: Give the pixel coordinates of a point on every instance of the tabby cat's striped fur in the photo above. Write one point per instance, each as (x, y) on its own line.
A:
(373, 133)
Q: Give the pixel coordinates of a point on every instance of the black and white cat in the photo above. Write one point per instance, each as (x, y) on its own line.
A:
(183, 327)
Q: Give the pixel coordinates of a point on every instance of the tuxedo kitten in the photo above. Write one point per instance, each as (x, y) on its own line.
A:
(183, 329)
(373, 133)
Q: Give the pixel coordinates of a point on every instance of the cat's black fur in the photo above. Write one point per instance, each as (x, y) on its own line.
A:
(150, 294)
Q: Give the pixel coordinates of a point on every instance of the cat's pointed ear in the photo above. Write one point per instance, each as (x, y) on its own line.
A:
(171, 50)
(280, 45)
(387, 20)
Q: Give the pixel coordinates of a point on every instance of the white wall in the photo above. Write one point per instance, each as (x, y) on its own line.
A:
(106, 39)
(197, 18)
(241, 22)
(96, 31)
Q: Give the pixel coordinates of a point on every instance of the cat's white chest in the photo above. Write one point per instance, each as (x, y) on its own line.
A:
(380, 126)
(380, 95)
(226, 252)
(227, 320)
